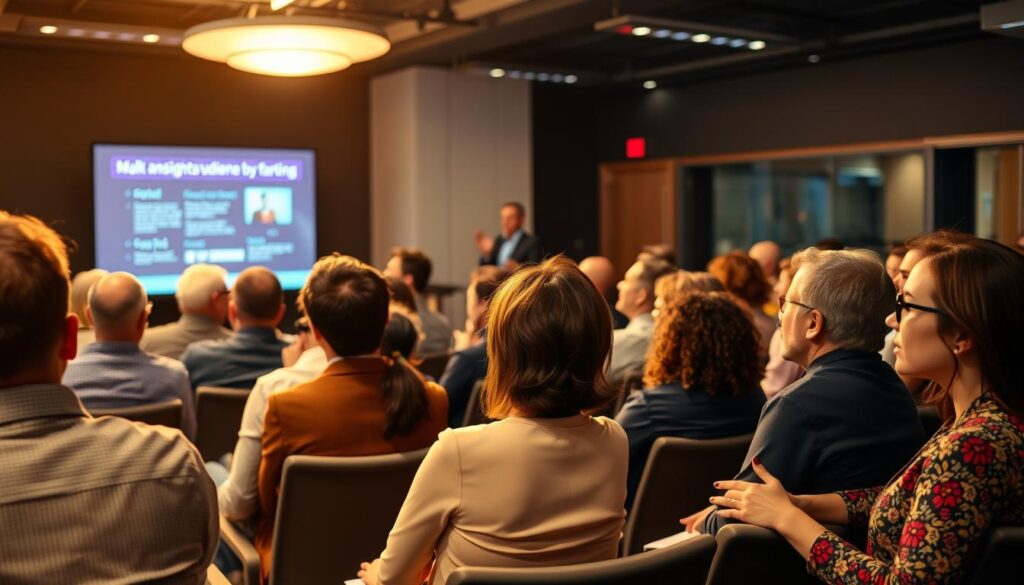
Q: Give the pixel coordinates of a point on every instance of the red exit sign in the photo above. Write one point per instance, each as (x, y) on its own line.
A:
(636, 148)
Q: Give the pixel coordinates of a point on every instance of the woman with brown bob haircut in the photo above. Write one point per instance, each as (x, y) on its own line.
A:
(743, 278)
(701, 375)
(542, 486)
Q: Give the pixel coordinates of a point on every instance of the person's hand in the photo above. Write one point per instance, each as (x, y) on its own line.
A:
(368, 572)
(754, 503)
(290, 353)
(695, 522)
(484, 243)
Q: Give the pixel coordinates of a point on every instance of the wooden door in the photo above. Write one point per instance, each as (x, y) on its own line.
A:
(638, 207)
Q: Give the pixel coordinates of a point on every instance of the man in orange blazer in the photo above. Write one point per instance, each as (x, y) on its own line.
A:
(345, 412)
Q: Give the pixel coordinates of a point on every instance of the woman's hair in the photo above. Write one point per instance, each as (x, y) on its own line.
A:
(400, 336)
(704, 340)
(978, 286)
(401, 293)
(742, 276)
(683, 281)
(347, 302)
(549, 333)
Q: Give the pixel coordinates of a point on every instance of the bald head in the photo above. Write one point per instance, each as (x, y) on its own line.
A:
(767, 254)
(257, 298)
(118, 308)
(601, 272)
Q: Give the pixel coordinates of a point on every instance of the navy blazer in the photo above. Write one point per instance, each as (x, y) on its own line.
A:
(528, 251)
(671, 411)
(463, 370)
(849, 423)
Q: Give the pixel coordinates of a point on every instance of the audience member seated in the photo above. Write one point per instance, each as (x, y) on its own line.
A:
(957, 325)
(256, 308)
(662, 252)
(238, 492)
(636, 301)
(892, 262)
(414, 267)
(401, 293)
(362, 404)
(780, 372)
(849, 422)
(542, 486)
(767, 254)
(84, 500)
(701, 377)
(80, 286)
(513, 247)
(679, 281)
(202, 296)
(400, 337)
(470, 364)
(742, 277)
(601, 272)
(113, 372)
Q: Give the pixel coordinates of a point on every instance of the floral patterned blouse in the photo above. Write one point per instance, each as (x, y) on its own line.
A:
(928, 525)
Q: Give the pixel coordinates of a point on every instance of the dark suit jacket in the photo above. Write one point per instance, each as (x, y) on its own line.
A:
(849, 423)
(528, 251)
(462, 372)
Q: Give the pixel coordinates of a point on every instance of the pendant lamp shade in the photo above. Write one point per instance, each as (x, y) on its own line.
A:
(286, 46)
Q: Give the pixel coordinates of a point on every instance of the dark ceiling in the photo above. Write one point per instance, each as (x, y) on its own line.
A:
(558, 36)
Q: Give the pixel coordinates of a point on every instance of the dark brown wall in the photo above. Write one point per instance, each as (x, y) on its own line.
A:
(56, 102)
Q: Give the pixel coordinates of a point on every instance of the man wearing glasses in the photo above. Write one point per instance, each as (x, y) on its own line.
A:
(849, 422)
(113, 372)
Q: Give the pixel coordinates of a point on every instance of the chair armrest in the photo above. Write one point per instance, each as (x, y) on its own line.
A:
(244, 549)
(215, 577)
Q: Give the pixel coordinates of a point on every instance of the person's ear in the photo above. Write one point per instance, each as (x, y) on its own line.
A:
(69, 343)
(88, 317)
(407, 279)
(816, 330)
(962, 344)
(140, 326)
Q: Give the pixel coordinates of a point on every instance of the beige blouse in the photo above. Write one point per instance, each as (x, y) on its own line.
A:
(515, 493)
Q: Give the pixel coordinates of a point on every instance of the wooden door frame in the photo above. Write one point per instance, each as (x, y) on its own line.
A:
(669, 199)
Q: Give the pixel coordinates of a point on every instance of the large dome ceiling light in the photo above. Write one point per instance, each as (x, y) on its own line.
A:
(286, 46)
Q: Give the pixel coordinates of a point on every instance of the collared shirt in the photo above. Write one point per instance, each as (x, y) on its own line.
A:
(91, 501)
(508, 247)
(629, 346)
(238, 496)
(437, 332)
(234, 362)
(171, 340)
(117, 374)
(848, 423)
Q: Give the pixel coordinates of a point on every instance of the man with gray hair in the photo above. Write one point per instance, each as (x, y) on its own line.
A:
(849, 422)
(113, 372)
(202, 297)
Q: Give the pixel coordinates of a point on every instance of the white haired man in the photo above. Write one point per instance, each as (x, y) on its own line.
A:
(203, 301)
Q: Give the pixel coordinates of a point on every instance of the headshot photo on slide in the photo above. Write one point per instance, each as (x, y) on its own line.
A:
(268, 205)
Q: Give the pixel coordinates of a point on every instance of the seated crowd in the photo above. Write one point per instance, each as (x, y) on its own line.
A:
(823, 359)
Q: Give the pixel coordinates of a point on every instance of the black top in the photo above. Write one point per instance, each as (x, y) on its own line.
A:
(849, 423)
(671, 411)
(528, 250)
(463, 370)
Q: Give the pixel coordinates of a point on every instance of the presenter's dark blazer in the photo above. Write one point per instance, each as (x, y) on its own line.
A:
(528, 251)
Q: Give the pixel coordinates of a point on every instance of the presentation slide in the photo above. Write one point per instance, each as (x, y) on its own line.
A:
(160, 209)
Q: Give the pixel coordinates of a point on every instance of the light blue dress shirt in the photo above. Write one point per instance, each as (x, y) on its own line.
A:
(508, 247)
(117, 374)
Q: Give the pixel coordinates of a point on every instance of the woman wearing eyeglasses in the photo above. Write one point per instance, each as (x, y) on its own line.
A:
(957, 323)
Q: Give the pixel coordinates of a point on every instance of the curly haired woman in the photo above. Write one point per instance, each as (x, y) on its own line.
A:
(702, 376)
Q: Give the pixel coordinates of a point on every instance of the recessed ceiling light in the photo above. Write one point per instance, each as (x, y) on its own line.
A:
(662, 33)
(700, 38)
(756, 45)
(497, 72)
(813, 58)
(650, 84)
(151, 38)
(48, 29)
(719, 41)
(557, 78)
(543, 76)
(641, 31)
(736, 43)
(681, 36)
(529, 76)
(101, 34)
(126, 36)
(75, 32)
(514, 74)
(571, 79)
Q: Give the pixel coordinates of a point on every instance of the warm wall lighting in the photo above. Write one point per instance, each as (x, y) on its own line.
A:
(48, 29)
(151, 38)
(286, 46)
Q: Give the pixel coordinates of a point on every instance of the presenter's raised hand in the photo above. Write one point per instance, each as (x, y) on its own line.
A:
(484, 243)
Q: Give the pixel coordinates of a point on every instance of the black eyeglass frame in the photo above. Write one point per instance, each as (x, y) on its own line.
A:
(902, 305)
